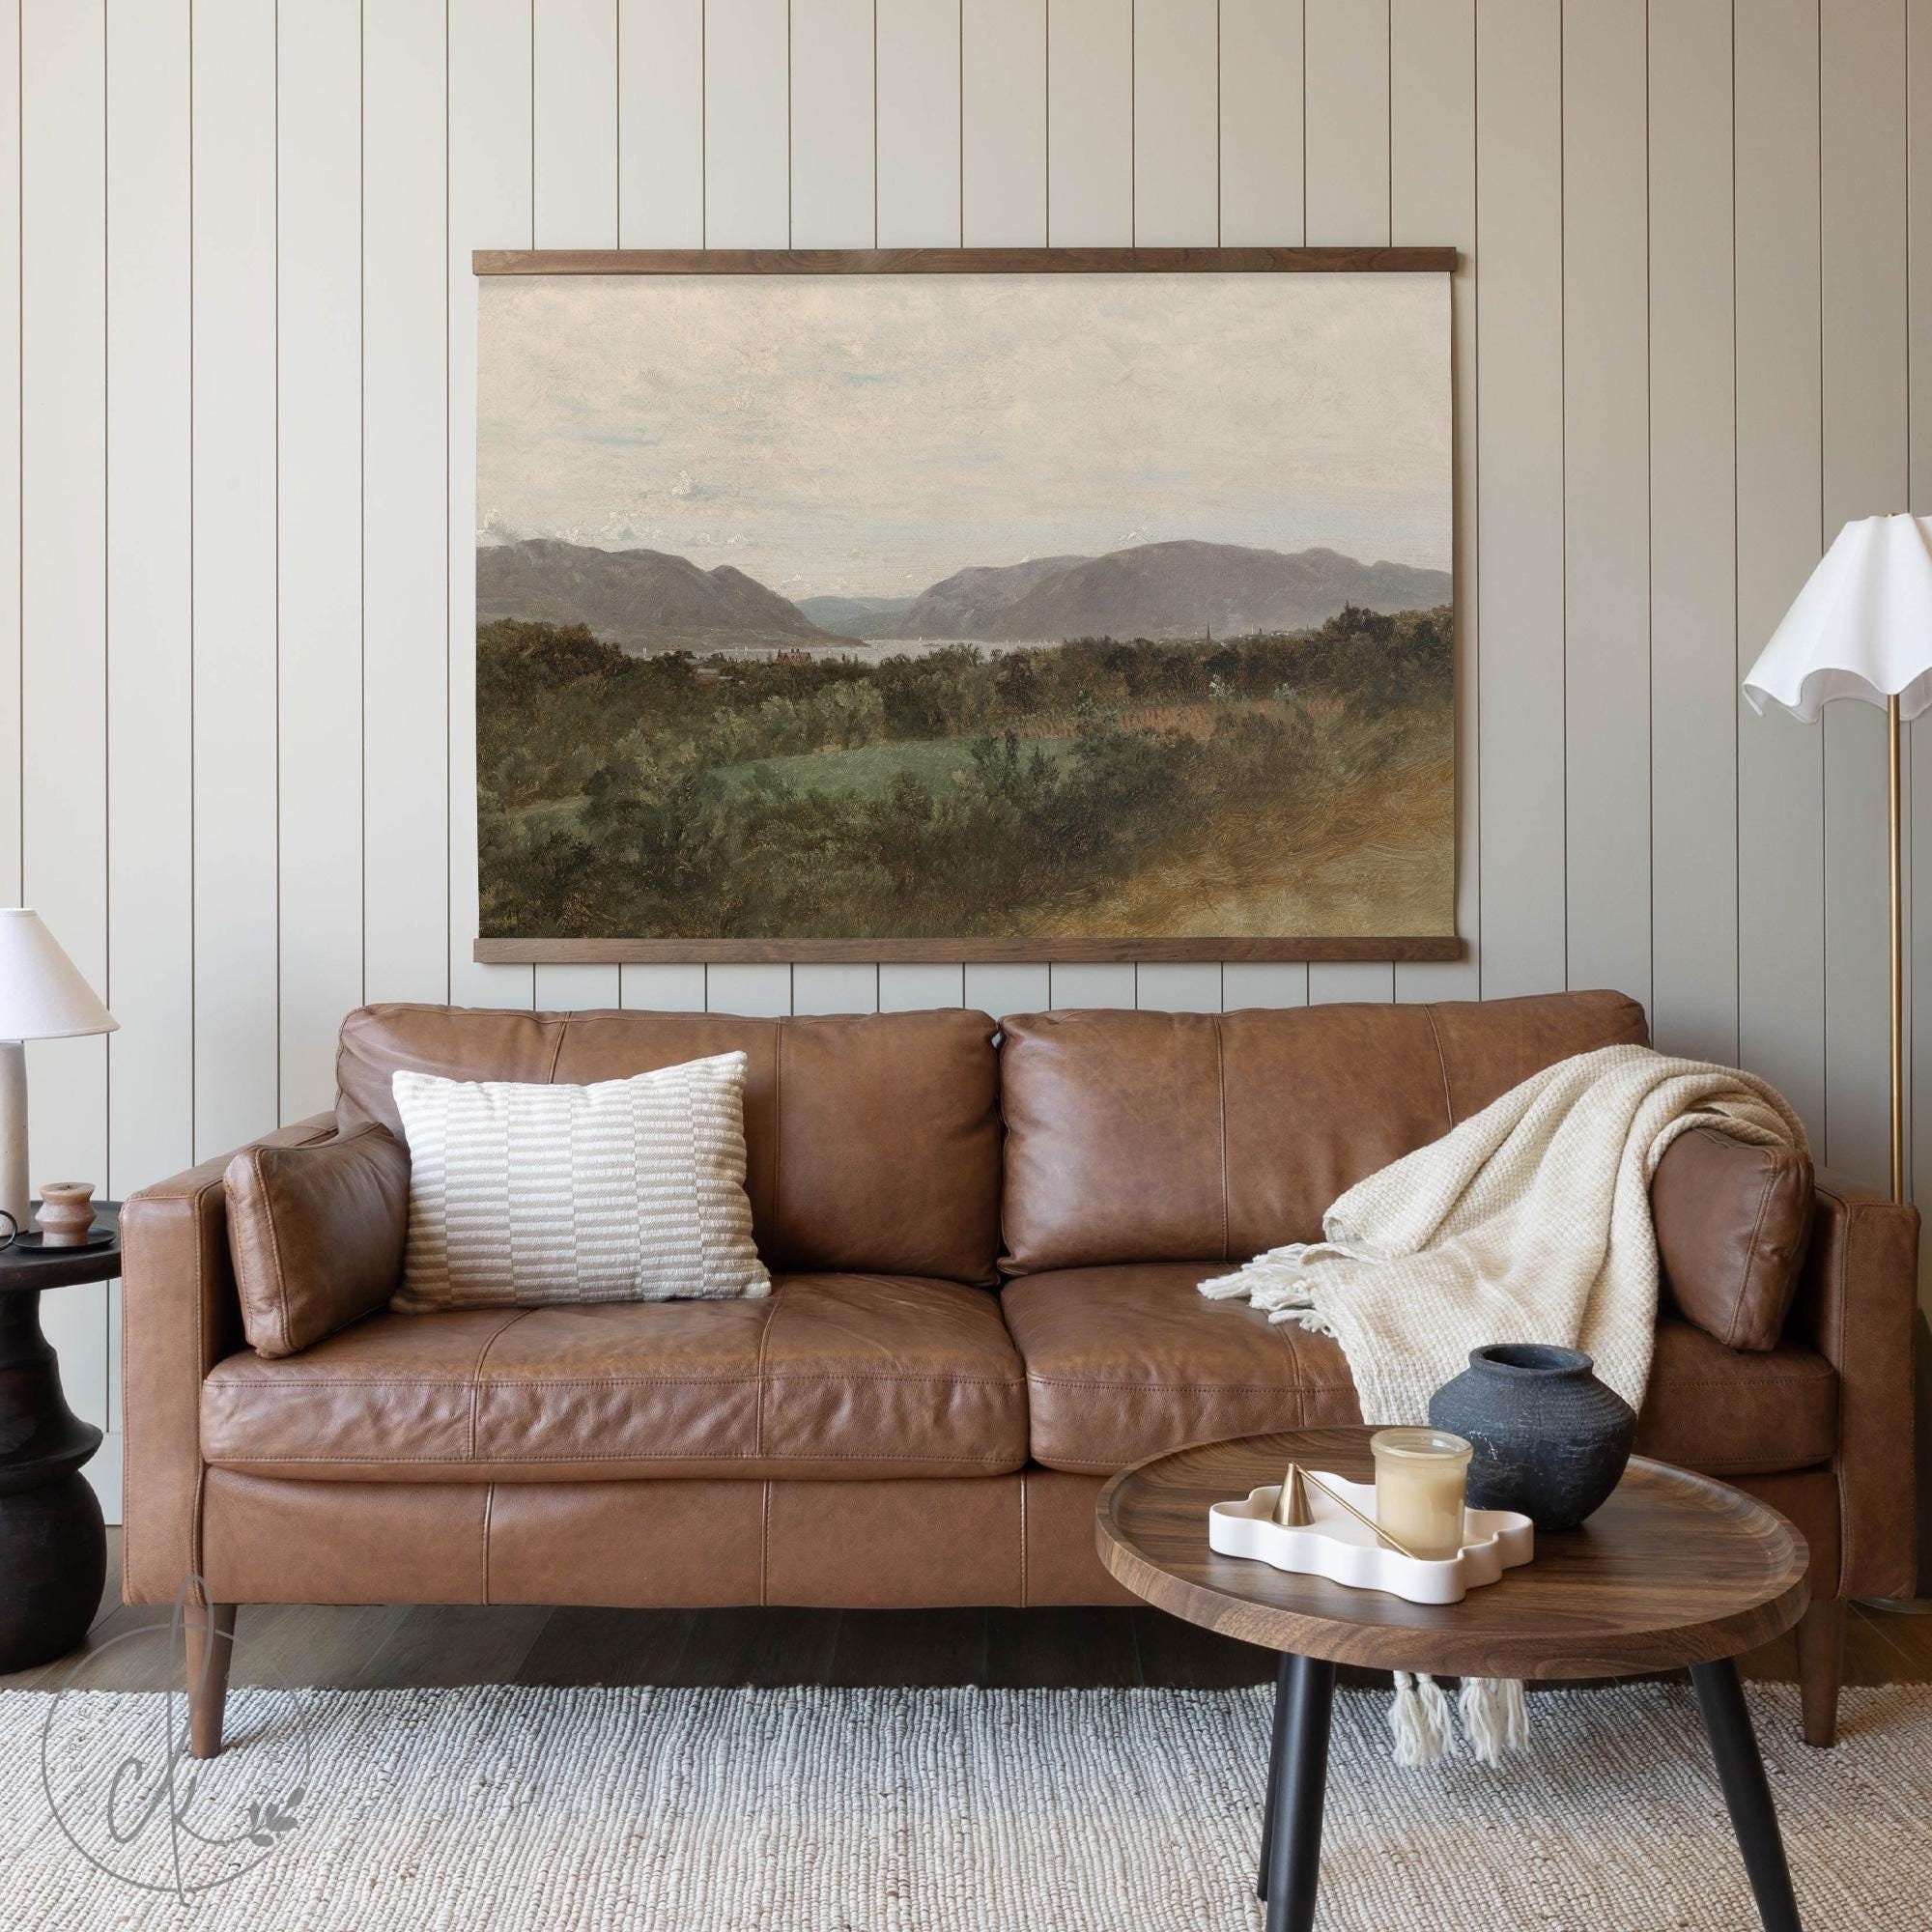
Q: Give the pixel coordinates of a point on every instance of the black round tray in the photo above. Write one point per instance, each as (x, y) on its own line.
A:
(34, 1243)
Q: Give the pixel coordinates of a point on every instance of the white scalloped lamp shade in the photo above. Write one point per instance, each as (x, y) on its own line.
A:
(1862, 627)
(41, 993)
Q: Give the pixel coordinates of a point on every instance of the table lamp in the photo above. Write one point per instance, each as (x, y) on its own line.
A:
(42, 997)
(1862, 627)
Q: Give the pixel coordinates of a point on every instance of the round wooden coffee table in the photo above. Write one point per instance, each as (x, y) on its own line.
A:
(1674, 1570)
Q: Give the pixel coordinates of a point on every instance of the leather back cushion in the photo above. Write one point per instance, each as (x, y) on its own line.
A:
(872, 1140)
(1733, 1223)
(1145, 1137)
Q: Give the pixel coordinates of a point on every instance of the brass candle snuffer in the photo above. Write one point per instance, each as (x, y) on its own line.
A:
(1291, 1511)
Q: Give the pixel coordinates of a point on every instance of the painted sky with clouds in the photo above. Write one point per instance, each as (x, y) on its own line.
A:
(869, 435)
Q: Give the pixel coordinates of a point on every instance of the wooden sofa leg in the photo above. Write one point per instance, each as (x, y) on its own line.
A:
(208, 1631)
(1821, 1665)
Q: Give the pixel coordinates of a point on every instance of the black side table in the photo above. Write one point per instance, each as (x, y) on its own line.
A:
(53, 1549)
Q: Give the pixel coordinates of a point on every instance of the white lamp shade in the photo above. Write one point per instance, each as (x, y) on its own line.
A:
(1862, 627)
(41, 993)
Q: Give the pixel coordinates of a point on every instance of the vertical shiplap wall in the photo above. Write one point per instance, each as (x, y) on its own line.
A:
(234, 546)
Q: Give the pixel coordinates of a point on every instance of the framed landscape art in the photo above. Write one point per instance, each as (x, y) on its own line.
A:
(965, 605)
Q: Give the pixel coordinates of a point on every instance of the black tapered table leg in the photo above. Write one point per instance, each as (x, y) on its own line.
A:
(1281, 1682)
(1741, 1773)
(1303, 1703)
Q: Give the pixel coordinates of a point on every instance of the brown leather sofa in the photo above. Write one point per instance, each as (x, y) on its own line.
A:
(985, 1241)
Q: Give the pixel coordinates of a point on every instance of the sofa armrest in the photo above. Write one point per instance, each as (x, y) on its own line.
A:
(179, 1317)
(1855, 1302)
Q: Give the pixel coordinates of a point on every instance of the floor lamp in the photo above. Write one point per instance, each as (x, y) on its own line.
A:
(1862, 627)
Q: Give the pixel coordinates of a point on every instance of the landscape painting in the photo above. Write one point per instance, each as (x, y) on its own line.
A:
(1000, 614)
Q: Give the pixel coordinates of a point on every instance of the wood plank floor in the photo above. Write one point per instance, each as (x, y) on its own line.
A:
(385, 1647)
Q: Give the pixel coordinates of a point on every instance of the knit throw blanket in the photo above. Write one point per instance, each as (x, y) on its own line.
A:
(1527, 1222)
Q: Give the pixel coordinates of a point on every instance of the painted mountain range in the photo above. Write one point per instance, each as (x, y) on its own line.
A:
(650, 600)
(643, 600)
(1163, 590)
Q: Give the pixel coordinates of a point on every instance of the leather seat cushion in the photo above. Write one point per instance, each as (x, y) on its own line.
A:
(1127, 1362)
(832, 1376)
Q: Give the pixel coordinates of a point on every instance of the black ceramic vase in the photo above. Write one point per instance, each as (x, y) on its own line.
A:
(1551, 1441)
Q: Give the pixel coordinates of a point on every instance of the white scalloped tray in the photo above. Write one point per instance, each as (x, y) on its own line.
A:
(1337, 1546)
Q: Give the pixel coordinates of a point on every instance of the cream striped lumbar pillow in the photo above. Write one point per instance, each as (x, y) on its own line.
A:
(629, 1190)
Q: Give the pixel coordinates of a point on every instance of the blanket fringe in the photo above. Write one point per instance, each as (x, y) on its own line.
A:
(1308, 1317)
(1419, 1719)
(1495, 1717)
(1436, 1713)
(1278, 1267)
(1515, 1707)
(1276, 1283)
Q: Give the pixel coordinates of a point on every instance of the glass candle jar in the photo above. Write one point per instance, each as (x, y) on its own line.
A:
(1420, 1477)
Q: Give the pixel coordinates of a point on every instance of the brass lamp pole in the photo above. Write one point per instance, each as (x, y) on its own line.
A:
(1893, 733)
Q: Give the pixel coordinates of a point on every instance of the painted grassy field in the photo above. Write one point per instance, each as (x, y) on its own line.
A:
(1291, 785)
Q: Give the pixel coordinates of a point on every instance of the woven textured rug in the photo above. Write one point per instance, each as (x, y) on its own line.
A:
(849, 1810)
